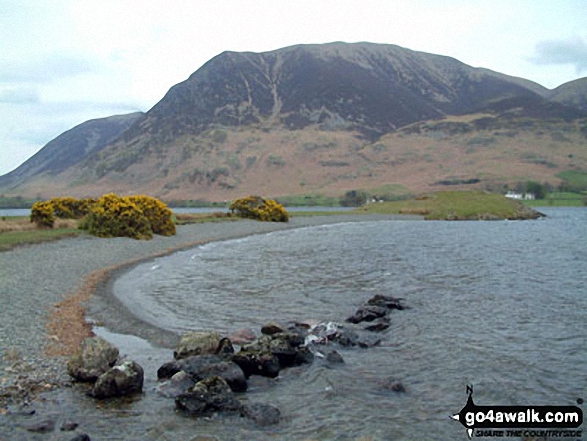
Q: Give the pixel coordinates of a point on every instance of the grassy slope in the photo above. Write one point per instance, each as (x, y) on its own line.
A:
(455, 205)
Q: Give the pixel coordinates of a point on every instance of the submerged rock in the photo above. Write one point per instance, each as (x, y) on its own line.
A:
(43, 426)
(125, 379)
(262, 414)
(386, 301)
(334, 357)
(94, 358)
(197, 343)
(208, 396)
(176, 385)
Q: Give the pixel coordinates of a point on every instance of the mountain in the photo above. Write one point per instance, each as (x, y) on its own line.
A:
(321, 118)
(573, 93)
(71, 147)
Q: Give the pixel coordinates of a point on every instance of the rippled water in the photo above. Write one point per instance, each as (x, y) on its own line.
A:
(500, 305)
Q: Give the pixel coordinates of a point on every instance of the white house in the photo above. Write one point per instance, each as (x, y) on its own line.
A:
(520, 196)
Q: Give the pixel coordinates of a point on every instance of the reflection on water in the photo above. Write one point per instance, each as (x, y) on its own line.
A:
(500, 305)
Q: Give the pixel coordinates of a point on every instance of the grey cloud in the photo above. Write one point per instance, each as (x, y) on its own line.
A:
(572, 51)
(19, 96)
(47, 69)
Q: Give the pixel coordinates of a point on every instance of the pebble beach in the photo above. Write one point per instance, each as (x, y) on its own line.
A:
(37, 279)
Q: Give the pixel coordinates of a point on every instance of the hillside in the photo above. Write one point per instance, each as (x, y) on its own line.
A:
(71, 147)
(324, 119)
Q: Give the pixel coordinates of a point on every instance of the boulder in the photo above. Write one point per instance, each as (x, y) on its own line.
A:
(386, 301)
(368, 313)
(346, 337)
(257, 363)
(272, 328)
(94, 358)
(242, 336)
(197, 343)
(199, 367)
(378, 325)
(121, 380)
(283, 350)
(262, 414)
(333, 357)
(207, 397)
(176, 385)
(225, 348)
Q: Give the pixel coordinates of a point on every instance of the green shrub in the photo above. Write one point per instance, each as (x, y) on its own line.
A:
(113, 216)
(255, 207)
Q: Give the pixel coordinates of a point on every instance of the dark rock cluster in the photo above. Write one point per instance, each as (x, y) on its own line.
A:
(207, 373)
(96, 362)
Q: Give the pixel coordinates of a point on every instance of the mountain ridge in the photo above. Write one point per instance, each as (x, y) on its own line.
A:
(195, 139)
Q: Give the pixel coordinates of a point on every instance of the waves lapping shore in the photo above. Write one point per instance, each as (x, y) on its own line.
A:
(36, 280)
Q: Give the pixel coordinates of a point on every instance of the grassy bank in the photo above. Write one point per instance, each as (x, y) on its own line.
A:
(559, 199)
(455, 205)
(18, 230)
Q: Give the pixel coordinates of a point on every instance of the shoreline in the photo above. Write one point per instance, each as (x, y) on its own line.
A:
(107, 311)
(49, 286)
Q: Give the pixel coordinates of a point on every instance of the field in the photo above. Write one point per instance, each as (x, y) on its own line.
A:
(454, 205)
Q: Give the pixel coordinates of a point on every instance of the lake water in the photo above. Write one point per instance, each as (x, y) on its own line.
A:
(500, 305)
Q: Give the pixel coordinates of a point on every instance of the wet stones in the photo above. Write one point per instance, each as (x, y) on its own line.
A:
(213, 394)
(197, 343)
(374, 313)
(95, 362)
(94, 358)
(204, 366)
(262, 363)
(262, 414)
(124, 379)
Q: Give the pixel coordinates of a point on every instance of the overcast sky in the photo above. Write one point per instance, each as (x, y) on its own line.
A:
(63, 62)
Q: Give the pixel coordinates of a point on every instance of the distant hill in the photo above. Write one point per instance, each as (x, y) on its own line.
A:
(321, 118)
(573, 93)
(71, 147)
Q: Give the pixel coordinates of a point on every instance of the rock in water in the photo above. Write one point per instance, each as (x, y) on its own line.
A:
(242, 336)
(197, 343)
(262, 414)
(262, 363)
(208, 396)
(272, 328)
(94, 358)
(199, 367)
(176, 385)
(125, 379)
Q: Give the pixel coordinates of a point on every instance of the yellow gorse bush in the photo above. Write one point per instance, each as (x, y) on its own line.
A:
(43, 214)
(157, 213)
(255, 207)
(137, 217)
(114, 216)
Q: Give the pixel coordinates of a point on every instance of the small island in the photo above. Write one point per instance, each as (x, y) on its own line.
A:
(456, 205)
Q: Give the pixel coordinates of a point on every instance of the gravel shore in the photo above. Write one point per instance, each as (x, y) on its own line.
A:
(36, 279)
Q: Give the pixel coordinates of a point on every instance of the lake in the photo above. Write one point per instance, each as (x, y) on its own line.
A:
(499, 305)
